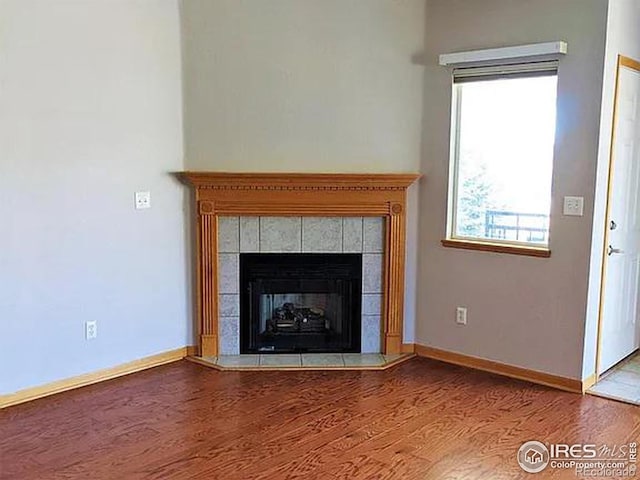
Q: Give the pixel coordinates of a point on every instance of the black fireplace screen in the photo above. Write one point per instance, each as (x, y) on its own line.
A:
(300, 302)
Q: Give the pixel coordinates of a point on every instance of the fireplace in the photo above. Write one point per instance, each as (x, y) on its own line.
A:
(297, 302)
(257, 196)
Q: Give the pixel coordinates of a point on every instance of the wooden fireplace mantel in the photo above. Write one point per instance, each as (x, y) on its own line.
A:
(299, 194)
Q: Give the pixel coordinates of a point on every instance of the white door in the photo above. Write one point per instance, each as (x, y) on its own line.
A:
(619, 328)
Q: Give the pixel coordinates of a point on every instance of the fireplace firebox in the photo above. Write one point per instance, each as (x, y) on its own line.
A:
(297, 302)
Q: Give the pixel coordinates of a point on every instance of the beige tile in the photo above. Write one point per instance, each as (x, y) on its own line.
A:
(363, 359)
(211, 360)
(228, 235)
(229, 332)
(371, 333)
(280, 234)
(249, 235)
(373, 234)
(352, 234)
(280, 360)
(372, 273)
(616, 390)
(372, 304)
(631, 366)
(631, 378)
(322, 360)
(228, 272)
(238, 360)
(322, 234)
(228, 305)
(393, 357)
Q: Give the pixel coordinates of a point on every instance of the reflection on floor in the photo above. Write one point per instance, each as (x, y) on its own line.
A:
(622, 382)
(319, 361)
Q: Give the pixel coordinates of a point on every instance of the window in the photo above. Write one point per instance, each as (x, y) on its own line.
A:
(503, 132)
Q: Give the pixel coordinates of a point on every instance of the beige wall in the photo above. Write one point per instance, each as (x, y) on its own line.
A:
(523, 311)
(306, 86)
(312, 85)
(623, 38)
(90, 112)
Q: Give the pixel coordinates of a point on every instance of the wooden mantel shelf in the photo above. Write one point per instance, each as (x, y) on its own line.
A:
(299, 194)
(300, 181)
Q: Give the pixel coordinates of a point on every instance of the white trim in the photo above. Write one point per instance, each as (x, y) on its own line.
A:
(456, 100)
(546, 49)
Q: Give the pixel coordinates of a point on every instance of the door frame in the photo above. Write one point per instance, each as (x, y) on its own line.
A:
(635, 65)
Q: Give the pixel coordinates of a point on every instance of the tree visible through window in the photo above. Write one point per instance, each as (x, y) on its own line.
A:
(502, 144)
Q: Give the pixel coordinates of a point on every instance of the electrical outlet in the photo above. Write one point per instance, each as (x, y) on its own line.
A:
(91, 329)
(461, 315)
(573, 206)
(143, 200)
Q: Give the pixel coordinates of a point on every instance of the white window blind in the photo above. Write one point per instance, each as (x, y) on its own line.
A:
(518, 70)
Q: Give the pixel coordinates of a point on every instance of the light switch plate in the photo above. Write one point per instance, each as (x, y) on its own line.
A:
(461, 315)
(573, 206)
(143, 200)
(91, 329)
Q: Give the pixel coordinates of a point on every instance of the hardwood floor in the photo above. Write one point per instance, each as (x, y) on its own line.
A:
(420, 420)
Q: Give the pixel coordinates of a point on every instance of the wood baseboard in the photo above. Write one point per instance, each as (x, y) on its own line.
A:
(533, 376)
(58, 386)
(193, 350)
(408, 348)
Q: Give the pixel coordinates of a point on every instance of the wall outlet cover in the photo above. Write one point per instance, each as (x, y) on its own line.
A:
(573, 206)
(143, 200)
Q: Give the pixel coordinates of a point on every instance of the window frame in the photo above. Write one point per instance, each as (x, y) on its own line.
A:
(460, 76)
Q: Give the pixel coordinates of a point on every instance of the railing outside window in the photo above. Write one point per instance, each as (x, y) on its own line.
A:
(517, 226)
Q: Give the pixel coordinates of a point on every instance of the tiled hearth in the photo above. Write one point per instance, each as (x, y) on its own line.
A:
(242, 234)
(304, 361)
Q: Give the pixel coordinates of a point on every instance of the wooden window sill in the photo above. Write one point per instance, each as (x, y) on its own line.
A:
(498, 248)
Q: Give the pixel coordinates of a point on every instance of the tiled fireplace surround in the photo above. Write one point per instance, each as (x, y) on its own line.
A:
(245, 234)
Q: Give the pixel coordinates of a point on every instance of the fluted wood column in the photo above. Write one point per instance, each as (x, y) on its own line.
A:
(208, 277)
(394, 277)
